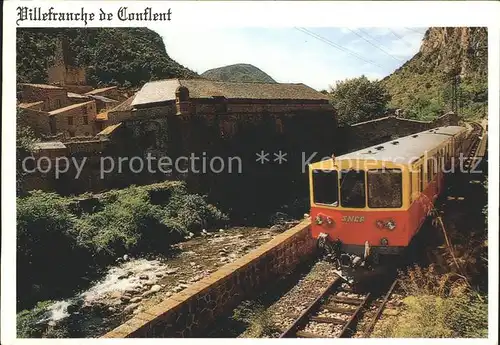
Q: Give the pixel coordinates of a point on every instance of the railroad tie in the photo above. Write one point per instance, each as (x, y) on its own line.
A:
(335, 309)
(347, 300)
(332, 320)
(302, 334)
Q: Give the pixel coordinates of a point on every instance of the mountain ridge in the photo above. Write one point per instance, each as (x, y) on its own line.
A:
(241, 72)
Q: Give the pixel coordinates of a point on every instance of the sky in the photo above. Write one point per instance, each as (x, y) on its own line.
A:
(317, 57)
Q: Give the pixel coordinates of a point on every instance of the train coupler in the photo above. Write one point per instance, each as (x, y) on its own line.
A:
(330, 249)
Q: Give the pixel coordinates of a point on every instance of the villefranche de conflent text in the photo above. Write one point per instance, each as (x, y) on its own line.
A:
(48, 14)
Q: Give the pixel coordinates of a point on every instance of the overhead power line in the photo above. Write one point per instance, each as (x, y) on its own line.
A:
(376, 46)
(418, 32)
(373, 38)
(401, 38)
(337, 46)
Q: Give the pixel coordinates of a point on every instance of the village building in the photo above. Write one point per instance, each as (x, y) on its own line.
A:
(53, 97)
(74, 120)
(205, 97)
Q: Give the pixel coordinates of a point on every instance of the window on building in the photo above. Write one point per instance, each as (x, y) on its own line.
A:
(70, 120)
(84, 110)
(385, 188)
(325, 187)
(85, 120)
(58, 103)
(71, 133)
(352, 188)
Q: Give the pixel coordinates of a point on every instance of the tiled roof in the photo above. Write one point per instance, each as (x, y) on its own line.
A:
(69, 107)
(164, 90)
(103, 89)
(124, 106)
(102, 116)
(108, 130)
(49, 145)
(29, 105)
(104, 99)
(43, 86)
(76, 95)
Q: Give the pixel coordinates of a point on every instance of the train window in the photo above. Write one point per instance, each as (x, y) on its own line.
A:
(421, 177)
(352, 188)
(411, 184)
(326, 187)
(430, 170)
(385, 188)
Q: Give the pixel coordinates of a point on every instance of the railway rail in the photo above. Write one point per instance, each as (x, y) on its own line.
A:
(336, 312)
(476, 148)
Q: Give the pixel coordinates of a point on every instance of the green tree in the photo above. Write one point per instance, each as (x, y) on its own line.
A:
(359, 99)
(25, 141)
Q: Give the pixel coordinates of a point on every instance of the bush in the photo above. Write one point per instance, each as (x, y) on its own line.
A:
(56, 239)
(359, 99)
(437, 306)
(430, 316)
(27, 321)
(46, 244)
(130, 222)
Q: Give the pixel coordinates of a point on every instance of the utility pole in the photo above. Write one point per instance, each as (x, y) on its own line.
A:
(453, 94)
(455, 83)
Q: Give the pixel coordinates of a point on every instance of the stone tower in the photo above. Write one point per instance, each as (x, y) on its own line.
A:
(60, 72)
(182, 100)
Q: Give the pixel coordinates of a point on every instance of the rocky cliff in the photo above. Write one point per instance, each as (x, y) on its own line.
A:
(424, 83)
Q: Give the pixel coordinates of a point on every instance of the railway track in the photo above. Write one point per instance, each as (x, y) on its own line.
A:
(474, 146)
(336, 312)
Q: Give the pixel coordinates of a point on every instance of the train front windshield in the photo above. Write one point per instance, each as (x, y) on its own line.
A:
(385, 188)
(352, 188)
(325, 187)
(347, 189)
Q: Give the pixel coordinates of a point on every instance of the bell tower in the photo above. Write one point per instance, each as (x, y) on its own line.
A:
(182, 102)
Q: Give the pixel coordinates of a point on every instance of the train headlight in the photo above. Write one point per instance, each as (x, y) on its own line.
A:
(384, 241)
(330, 221)
(319, 220)
(391, 225)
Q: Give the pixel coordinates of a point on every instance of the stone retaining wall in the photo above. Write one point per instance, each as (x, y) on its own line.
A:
(193, 310)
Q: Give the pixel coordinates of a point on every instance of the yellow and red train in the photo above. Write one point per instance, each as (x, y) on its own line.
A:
(374, 201)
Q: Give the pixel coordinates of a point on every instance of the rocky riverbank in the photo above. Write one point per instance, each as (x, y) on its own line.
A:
(134, 284)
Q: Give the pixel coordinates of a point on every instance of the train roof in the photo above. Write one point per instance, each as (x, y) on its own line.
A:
(405, 149)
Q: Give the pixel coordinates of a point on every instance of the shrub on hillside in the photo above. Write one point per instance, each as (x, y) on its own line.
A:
(56, 239)
(27, 321)
(130, 222)
(45, 236)
(430, 316)
(438, 306)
